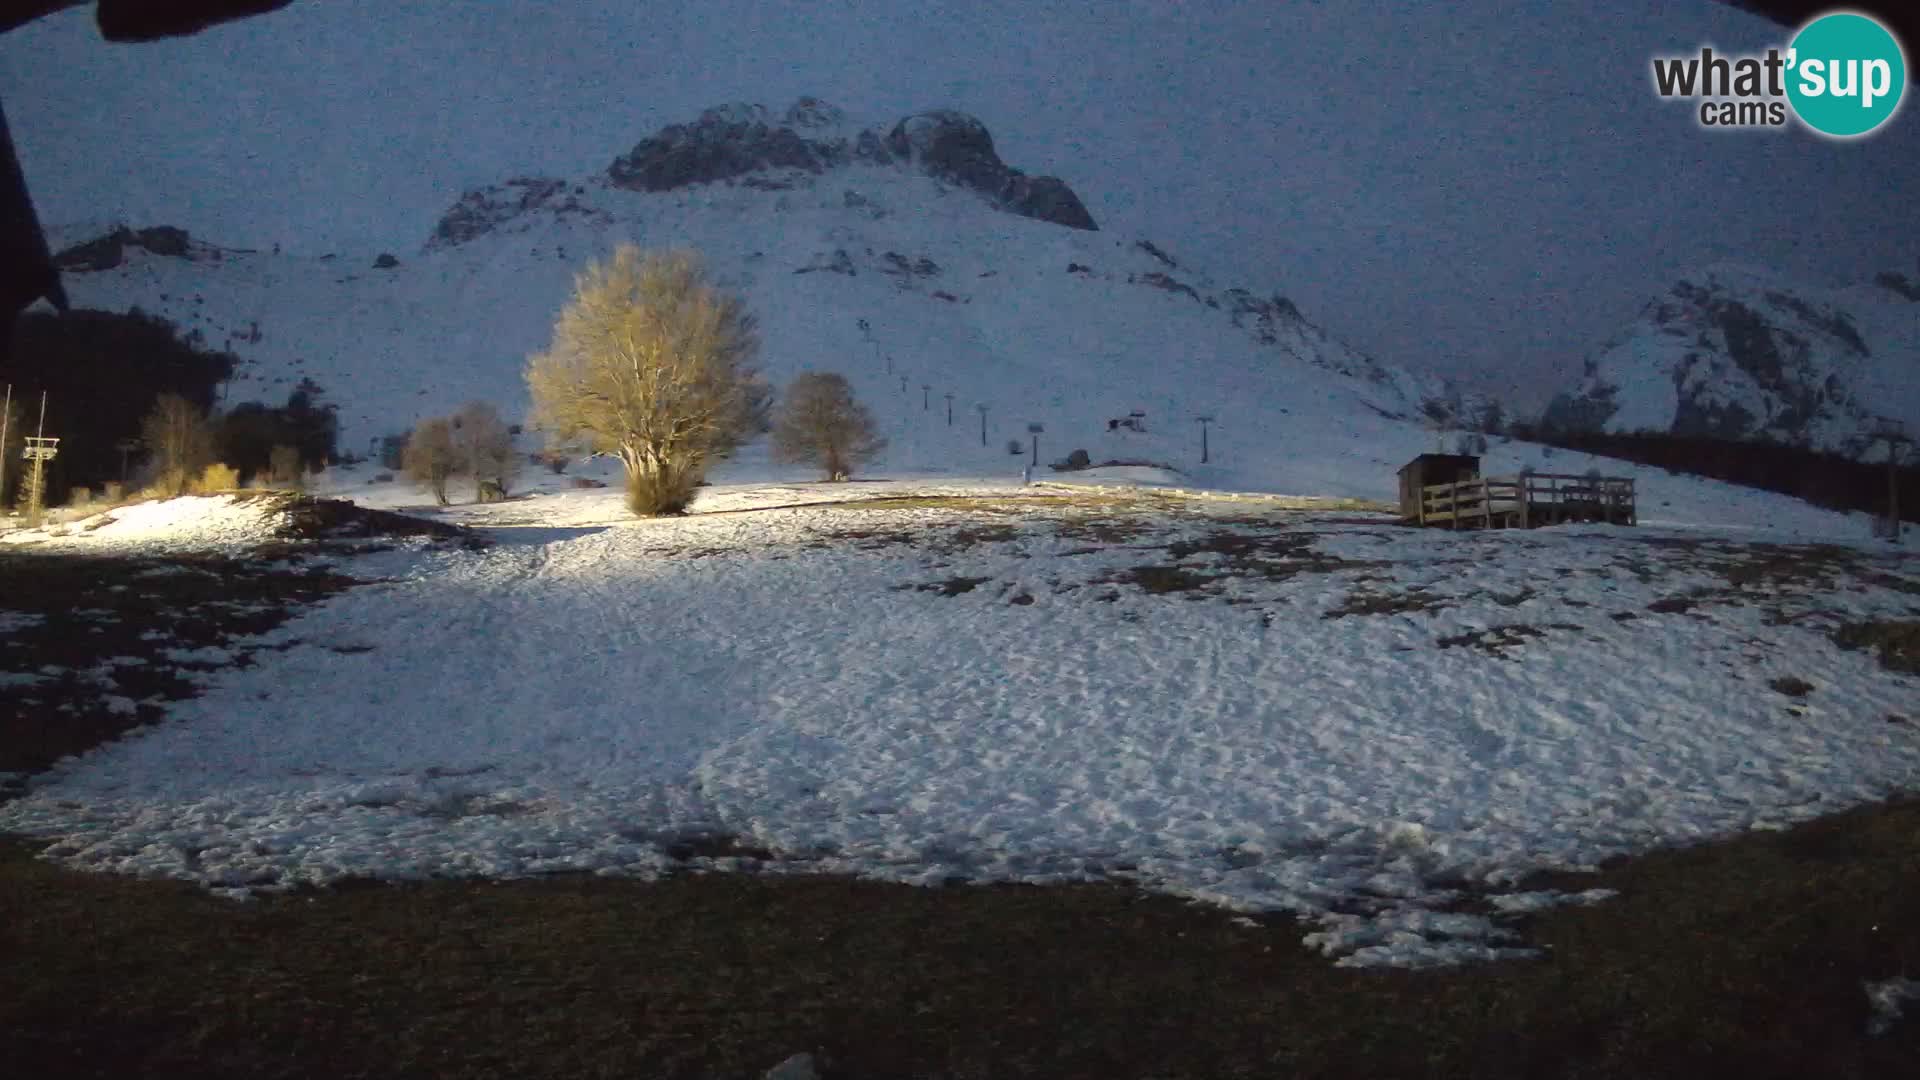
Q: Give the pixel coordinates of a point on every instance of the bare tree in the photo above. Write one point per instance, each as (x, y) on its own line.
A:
(652, 364)
(483, 448)
(179, 441)
(429, 458)
(820, 422)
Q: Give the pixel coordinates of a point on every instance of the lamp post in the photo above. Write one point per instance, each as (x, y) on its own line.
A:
(1203, 421)
(925, 389)
(949, 396)
(1035, 430)
(982, 406)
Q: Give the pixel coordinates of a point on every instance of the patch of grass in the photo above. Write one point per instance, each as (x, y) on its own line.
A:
(1675, 605)
(332, 519)
(1497, 639)
(1791, 686)
(1895, 641)
(1744, 957)
(98, 618)
(952, 586)
(1158, 580)
(1101, 530)
(1360, 602)
(107, 625)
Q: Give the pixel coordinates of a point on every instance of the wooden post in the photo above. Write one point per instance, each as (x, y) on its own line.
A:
(6, 413)
(1894, 432)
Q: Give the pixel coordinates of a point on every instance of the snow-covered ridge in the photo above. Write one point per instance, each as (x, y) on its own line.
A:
(913, 287)
(1738, 352)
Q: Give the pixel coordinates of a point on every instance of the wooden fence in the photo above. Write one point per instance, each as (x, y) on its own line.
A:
(1527, 501)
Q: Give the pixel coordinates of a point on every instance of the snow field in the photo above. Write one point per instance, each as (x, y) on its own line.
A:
(1278, 736)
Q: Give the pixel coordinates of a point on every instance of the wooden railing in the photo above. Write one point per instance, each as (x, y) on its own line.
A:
(1527, 500)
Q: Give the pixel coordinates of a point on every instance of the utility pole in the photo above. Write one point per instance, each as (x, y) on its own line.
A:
(982, 406)
(949, 396)
(1204, 421)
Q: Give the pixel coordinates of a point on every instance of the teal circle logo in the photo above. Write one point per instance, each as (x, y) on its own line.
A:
(1846, 74)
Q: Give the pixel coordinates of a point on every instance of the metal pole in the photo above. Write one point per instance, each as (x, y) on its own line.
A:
(1893, 491)
(925, 389)
(39, 494)
(1036, 449)
(983, 424)
(949, 397)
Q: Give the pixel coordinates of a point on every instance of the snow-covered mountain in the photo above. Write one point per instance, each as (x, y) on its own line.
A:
(908, 256)
(1738, 353)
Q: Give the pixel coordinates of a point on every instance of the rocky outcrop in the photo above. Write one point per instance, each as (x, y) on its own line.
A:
(109, 251)
(1899, 284)
(956, 147)
(743, 143)
(727, 143)
(1737, 354)
(489, 208)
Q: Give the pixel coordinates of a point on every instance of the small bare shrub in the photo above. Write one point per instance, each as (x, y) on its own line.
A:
(483, 449)
(180, 440)
(820, 422)
(429, 456)
(216, 477)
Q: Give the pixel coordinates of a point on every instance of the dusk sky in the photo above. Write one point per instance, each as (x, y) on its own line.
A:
(1487, 190)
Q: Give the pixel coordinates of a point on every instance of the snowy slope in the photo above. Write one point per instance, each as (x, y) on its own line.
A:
(1045, 324)
(1737, 352)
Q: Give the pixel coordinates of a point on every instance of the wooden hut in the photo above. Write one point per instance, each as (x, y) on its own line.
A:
(1428, 469)
(1448, 490)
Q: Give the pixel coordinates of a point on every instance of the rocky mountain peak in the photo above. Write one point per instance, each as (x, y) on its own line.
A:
(1736, 352)
(742, 142)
